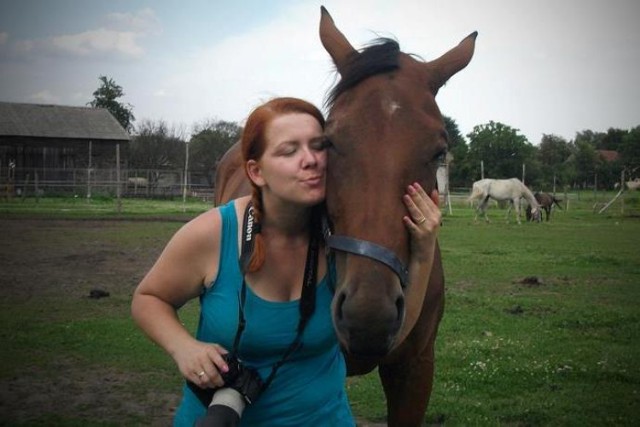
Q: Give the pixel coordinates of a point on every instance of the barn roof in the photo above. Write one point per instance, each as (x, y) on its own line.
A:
(59, 122)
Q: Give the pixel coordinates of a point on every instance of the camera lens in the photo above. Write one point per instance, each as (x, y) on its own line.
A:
(225, 409)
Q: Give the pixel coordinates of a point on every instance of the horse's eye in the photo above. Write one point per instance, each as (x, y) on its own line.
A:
(440, 157)
(326, 143)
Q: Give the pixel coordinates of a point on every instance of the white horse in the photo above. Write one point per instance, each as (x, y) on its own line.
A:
(503, 189)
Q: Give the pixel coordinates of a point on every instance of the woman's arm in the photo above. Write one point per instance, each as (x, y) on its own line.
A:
(179, 275)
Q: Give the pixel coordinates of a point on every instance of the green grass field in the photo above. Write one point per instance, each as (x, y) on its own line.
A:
(562, 349)
(558, 350)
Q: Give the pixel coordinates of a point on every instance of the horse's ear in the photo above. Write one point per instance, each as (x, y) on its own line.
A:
(334, 42)
(453, 61)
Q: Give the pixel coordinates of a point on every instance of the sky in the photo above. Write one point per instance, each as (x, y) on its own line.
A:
(540, 66)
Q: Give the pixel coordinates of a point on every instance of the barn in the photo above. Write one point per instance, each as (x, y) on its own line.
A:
(58, 149)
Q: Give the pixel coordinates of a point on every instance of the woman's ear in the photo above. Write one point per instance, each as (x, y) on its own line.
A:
(254, 173)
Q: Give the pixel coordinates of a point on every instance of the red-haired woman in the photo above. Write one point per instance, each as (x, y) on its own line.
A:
(268, 308)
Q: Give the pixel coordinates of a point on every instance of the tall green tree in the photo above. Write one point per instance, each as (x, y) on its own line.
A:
(106, 96)
(211, 139)
(502, 150)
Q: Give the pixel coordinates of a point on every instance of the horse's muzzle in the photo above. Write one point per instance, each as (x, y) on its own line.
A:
(367, 319)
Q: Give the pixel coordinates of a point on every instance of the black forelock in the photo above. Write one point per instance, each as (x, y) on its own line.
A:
(380, 56)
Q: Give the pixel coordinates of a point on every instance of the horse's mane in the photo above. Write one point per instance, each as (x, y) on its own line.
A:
(380, 56)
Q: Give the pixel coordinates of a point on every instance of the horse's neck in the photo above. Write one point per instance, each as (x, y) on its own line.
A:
(527, 194)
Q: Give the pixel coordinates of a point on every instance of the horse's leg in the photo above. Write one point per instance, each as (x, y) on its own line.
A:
(483, 207)
(407, 387)
(478, 211)
(509, 211)
(516, 208)
(408, 381)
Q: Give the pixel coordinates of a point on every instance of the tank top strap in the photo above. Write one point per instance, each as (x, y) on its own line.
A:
(229, 254)
(228, 267)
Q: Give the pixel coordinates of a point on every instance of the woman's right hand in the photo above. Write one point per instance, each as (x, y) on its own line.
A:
(201, 363)
(423, 221)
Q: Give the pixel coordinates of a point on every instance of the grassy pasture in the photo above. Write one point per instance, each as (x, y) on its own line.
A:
(541, 325)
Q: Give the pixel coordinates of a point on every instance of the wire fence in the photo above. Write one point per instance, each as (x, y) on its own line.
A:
(171, 184)
(105, 182)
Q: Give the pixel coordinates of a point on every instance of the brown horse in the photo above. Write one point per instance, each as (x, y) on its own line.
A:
(386, 131)
(546, 202)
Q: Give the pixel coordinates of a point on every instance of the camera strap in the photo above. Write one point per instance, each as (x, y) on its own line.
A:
(308, 298)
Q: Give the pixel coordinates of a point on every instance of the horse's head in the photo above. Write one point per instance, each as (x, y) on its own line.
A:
(386, 132)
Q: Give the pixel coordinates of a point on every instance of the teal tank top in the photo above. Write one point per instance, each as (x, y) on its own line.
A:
(308, 389)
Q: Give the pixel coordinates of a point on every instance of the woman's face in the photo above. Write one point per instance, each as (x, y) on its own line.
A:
(293, 165)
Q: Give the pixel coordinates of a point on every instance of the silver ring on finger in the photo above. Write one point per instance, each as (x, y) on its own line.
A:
(200, 374)
(420, 220)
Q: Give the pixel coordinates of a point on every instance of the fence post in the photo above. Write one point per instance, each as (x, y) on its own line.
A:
(186, 174)
(89, 172)
(118, 190)
(37, 189)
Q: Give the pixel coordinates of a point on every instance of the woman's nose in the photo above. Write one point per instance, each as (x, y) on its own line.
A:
(309, 157)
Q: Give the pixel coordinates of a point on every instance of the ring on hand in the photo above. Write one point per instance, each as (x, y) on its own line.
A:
(421, 220)
(200, 374)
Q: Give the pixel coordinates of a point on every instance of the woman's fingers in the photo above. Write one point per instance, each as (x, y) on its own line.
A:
(422, 207)
(435, 197)
(423, 221)
(205, 365)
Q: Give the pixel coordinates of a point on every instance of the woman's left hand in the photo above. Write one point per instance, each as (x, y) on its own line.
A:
(423, 221)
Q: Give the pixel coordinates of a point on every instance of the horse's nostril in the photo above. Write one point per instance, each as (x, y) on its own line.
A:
(339, 303)
(400, 307)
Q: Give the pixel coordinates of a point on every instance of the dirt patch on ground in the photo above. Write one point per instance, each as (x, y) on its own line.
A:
(44, 261)
(48, 260)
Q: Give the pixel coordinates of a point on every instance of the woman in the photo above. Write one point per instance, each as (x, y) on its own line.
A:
(284, 153)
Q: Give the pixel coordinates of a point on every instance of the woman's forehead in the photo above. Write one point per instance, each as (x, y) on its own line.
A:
(292, 127)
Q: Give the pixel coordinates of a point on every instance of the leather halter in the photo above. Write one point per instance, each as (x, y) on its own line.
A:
(367, 249)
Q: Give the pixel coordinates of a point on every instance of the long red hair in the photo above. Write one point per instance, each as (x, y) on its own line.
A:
(253, 146)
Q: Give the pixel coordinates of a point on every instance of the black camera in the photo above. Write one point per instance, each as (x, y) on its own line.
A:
(242, 386)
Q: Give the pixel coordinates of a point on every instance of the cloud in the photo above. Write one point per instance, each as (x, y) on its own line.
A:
(97, 42)
(44, 97)
(4, 37)
(143, 22)
(120, 37)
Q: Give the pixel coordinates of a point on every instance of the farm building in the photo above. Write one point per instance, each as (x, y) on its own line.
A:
(57, 146)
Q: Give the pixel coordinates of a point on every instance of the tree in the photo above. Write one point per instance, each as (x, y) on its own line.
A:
(612, 140)
(587, 170)
(553, 155)
(211, 139)
(503, 151)
(630, 150)
(156, 146)
(595, 139)
(459, 170)
(106, 97)
(585, 162)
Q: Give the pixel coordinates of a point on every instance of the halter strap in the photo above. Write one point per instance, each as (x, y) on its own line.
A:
(367, 249)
